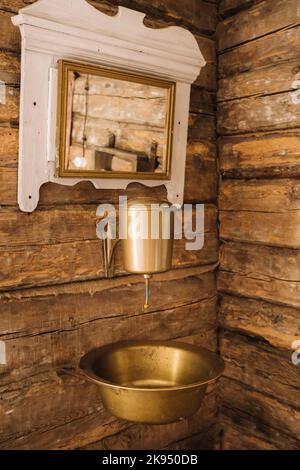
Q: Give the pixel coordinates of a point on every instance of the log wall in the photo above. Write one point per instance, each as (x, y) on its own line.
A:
(259, 279)
(55, 303)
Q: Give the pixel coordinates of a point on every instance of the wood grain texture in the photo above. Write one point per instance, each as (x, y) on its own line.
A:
(265, 212)
(230, 7)
(258, 124)
(259, 20)
(59, 345)
(266, 369)
(137, 437)
(278, 325)
(260, 272)
(240, 433)
(265, 81)
(261, 113)
(10, 38)
(275, 418)
(55, 302)
(264, 155)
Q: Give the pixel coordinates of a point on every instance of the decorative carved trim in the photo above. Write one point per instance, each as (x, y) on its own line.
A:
(73, 29)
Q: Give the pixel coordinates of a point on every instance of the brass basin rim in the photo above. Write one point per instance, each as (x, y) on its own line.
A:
(86, 364)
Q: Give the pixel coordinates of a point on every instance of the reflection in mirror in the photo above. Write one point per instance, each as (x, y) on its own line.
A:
(114, 123)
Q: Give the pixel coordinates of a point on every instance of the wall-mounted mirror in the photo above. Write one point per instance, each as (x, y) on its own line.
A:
(113, 124)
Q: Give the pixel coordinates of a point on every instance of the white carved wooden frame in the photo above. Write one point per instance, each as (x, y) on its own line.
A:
(73, 29)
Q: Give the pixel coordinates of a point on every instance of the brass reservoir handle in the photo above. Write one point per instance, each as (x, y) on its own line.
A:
(147, 301)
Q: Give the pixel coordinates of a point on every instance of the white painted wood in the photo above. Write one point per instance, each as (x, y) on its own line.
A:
(73, 29)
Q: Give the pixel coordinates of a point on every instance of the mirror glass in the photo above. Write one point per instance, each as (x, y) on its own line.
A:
(113, 124)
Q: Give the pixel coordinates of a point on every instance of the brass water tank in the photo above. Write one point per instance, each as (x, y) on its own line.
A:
(148, 246)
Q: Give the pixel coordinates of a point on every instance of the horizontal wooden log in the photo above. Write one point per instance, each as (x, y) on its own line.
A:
(281, 46)
(178, 12)
(257, 21)
(201, 126)
(239, 433)
(260, 196)
(266, 212)
(276, 324)
(264, 368)
(276, 154)
(262, 113)
(275, 418)
(261, 272)
(279, 78)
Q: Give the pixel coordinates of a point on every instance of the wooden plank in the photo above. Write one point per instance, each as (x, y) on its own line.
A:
(261, 272)
(276, 154)
(263, 411)
(281, 46)
(266, 212)
(240, 433)
(265, 81)
(259, 20)
(262, 113)
(277, 324)
(266, 369)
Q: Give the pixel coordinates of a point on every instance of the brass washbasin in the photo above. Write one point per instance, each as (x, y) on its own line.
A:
(152, 382)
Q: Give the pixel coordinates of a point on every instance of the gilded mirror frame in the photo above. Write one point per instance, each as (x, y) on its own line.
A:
(66, 66)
